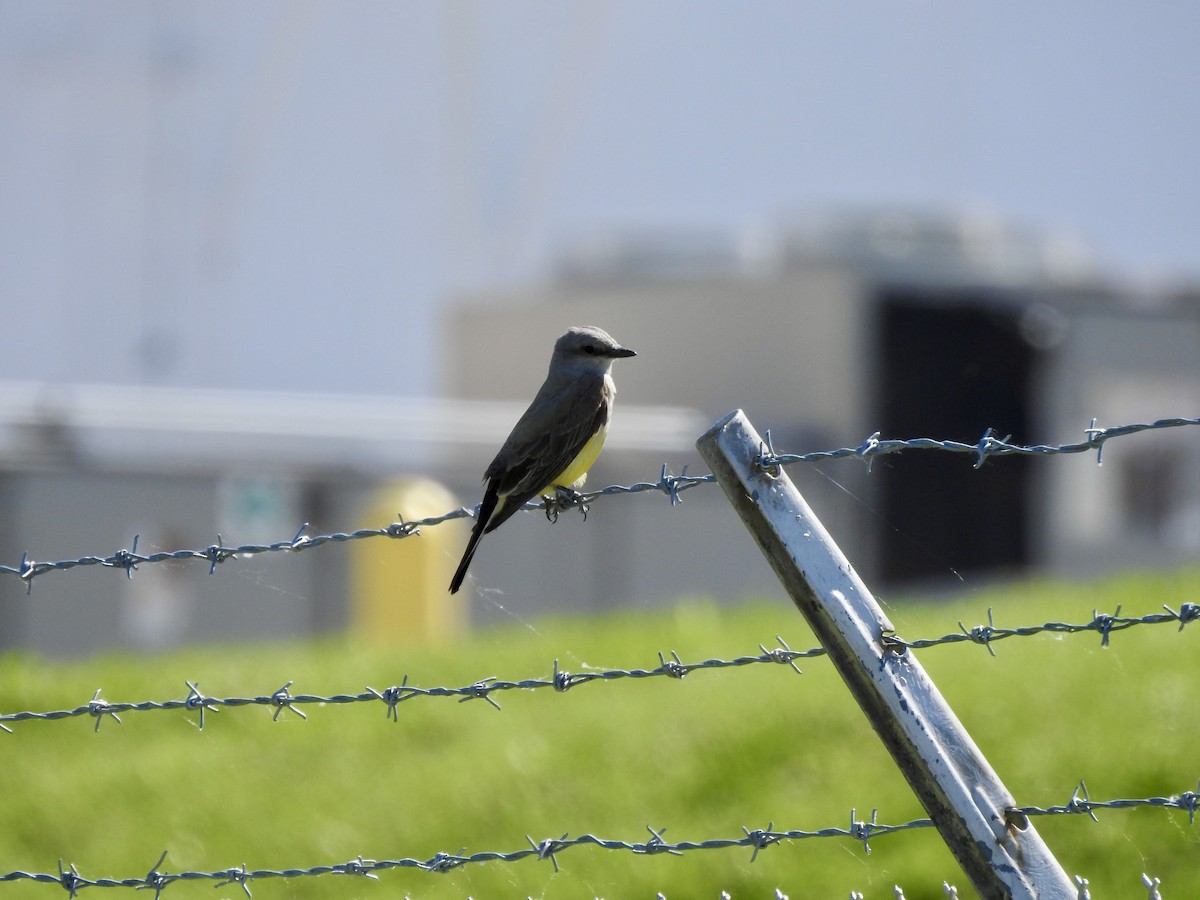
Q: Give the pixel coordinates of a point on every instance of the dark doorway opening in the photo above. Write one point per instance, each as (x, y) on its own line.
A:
(953, 364)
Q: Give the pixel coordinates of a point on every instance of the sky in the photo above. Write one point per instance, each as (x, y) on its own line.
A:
(291, 195)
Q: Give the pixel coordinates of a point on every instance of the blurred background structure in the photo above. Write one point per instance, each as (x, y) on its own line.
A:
(261, 261)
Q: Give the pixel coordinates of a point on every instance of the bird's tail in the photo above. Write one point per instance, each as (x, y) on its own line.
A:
(486, 509)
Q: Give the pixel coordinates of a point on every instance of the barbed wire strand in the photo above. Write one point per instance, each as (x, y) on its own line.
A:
(668, 484)
(756, 840)
(670, 666)
(986, 447)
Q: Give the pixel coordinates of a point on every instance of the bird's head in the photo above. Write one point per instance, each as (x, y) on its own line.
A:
(589, 346)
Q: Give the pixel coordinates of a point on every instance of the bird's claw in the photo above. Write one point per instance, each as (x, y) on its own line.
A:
(564, 498)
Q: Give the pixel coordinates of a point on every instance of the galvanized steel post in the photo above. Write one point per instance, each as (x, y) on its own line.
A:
(999, 850)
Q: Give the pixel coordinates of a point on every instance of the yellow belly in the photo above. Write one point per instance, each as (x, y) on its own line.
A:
(574, 475)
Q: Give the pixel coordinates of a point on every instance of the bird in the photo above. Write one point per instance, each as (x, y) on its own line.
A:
(557, 438)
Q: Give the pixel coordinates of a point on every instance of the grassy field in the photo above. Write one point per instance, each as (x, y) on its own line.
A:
(700, 757)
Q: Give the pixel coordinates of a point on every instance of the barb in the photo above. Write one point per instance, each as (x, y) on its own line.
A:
(670, 666)
(671, 486)
(755, 840)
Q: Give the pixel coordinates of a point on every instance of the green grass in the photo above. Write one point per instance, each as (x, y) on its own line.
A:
(701, 757)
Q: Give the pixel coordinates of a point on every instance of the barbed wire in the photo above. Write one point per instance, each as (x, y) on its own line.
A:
(756, 840)
(667, 484)
(987, 446)
(129, 560)
(1081, 803)
(670, 666)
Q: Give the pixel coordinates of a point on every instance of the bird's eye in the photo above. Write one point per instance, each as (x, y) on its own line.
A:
(589, 349)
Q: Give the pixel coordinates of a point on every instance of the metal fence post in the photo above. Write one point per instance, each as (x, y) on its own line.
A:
(999, 850)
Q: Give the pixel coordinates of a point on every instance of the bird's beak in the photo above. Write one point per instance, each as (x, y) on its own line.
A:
(620, 353)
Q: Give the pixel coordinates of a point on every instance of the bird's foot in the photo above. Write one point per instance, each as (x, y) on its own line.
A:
(564, 498)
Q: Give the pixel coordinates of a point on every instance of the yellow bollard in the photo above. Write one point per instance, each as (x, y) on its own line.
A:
(398, 587)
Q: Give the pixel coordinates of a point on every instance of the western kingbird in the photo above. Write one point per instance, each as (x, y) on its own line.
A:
(557, 439)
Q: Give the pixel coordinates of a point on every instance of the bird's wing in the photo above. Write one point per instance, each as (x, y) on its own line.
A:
(545, 440)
